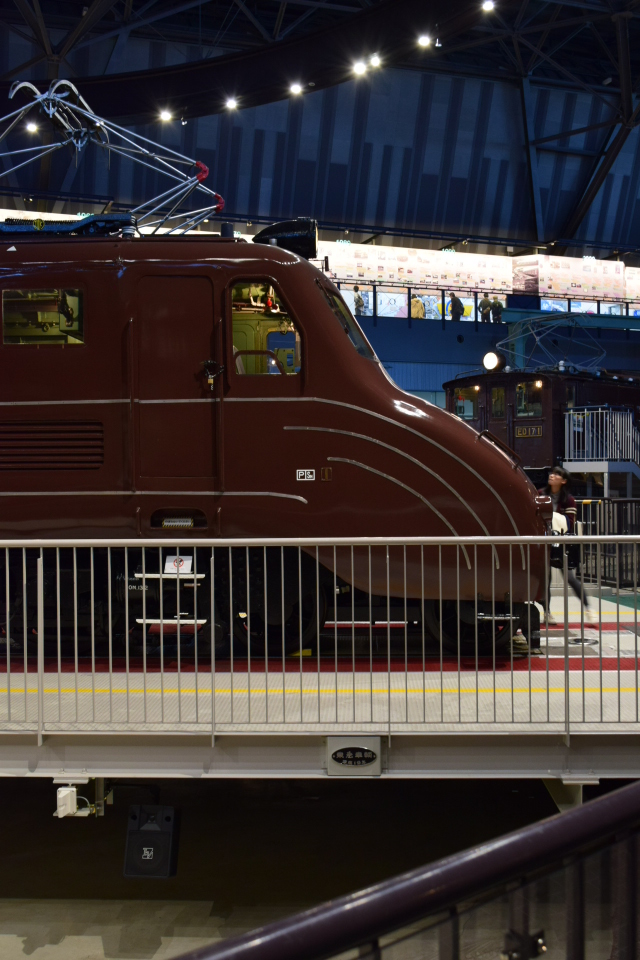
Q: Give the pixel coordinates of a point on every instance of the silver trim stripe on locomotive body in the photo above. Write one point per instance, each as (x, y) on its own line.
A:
(151, 493)
(385, 476)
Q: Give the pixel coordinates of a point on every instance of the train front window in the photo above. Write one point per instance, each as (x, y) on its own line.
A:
(348, 324)
(529, 399)
(43, 316)
(497, 403)
(265, 338)
(466, 402)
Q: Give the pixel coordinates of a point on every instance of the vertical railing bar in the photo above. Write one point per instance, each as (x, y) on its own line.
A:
(24, 630)
(195, 630)
(635, 621)
(335, 630)
(40, 652)
(213, 645)
(266, 637)
(567, 679)
(582, 599)
(547, 607)
(513, 714)
(475, 630)
(599, 582)
(179, 632)
(317, 626)
(493, 634)
(353, 638)
(300, 627)
(110, 624)
(231, 636)
(75, 624)
(618, 629)
(424, 665)
(248, 618)
(388, 645)
(284, 665)
(529, 629)
(406, 639)
(161, 612)
(459, 632)
(7, 594)
(93, 634)
(370, 644)
(127, 663)
(59, 633)
(144, 632)
(441, 638)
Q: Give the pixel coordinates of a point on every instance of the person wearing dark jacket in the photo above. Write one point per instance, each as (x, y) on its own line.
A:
(457, 307)
(496, 311)
(485, 309)
(565, 505)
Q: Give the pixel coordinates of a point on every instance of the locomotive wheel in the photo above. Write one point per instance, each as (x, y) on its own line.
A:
(504, 629)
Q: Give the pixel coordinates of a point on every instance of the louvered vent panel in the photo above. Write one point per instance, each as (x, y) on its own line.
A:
(51, 445)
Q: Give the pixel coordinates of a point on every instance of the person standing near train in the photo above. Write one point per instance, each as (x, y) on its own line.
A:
(563, 503)
(485, 309)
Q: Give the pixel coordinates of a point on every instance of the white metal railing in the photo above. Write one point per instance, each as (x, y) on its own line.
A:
(307, 636)
(599, 433)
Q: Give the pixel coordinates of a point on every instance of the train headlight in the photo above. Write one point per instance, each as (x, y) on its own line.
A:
(493, 360)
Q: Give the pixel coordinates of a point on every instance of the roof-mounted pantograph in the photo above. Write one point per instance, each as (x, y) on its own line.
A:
(76, 126)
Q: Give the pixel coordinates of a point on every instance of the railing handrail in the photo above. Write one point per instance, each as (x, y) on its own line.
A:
(362, 917)
(516, 541)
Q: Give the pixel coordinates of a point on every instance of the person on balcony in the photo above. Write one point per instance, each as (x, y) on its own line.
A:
(563, 503)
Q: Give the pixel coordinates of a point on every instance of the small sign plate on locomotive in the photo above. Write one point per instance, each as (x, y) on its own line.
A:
(354, 756)
(533, 430)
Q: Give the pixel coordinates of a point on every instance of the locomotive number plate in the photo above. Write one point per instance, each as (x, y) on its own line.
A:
(529, 431)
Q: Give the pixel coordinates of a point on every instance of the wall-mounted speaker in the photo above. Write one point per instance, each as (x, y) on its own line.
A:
(152, 842)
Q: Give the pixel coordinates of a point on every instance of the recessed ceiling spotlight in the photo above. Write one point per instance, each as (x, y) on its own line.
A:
(165, 116)
(295, 88)
(375, 60)
(488, 5)
(438, 44)
(31, 127)
(607, 81)
(359, 68)
(231, 103)
(424, 40)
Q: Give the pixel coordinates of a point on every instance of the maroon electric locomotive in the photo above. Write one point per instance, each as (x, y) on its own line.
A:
(217, 388)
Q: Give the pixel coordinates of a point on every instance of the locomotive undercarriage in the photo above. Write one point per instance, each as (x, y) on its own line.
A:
(124, 603)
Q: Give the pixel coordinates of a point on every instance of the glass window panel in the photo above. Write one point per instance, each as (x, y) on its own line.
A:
(426, 304)
(584, 306)
(43, 316)
(466, 402)
(553, 305)
(634, 309)
(392, 302)
(348, 324)
(612, 309)
(468, 304)
(265, 338)
(529, 399)
(359, 298)
(497, 403)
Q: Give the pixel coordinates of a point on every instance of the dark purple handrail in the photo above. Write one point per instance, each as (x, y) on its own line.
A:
(361, 917)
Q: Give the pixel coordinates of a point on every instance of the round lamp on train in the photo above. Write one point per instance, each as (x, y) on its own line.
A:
(493, 361)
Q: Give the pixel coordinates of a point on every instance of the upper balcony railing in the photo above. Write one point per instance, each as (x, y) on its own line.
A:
(596, 434)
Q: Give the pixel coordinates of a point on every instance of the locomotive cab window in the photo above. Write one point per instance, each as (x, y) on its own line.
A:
(529, 399)
(348, 323)
(43, 316)
(265, 338)
(466, 402)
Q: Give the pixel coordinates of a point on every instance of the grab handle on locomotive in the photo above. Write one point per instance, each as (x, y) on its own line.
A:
(503, 446)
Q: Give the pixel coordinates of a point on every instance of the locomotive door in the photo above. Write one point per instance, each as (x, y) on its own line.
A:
(496, 412)
(176, 415)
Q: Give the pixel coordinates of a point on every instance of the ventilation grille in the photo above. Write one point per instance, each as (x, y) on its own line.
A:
(51, 445)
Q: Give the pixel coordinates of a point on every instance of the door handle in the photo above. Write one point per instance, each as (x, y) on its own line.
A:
(212, 369)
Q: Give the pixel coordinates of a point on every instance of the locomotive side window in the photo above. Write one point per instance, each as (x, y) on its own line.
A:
(497, 403)
(466, 402)
(265, 338)
(529, 399)
(348, 324)
(43, 316)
